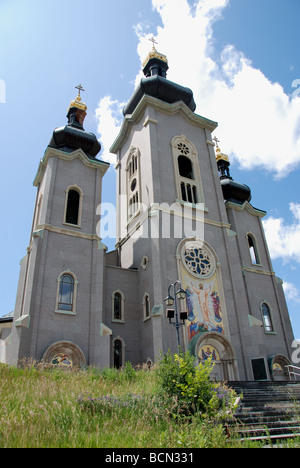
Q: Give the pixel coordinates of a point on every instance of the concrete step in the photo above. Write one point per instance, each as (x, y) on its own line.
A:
(268, 411)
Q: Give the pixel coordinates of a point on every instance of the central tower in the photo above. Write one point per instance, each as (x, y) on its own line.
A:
(181, 216)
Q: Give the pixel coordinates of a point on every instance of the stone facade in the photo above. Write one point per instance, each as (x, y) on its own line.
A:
(78, 304)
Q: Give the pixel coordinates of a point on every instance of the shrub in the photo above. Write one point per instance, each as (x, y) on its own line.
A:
(190, 384)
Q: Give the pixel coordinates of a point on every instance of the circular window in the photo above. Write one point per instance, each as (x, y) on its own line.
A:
(198, 260)
(133, 185)
(183, 148)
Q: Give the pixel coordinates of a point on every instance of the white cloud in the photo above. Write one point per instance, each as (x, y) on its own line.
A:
(284, 239)
(291, 292)
(108, 115)
(259, 125)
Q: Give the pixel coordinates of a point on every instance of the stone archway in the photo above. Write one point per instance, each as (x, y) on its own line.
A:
(64, 354)
(217, 347)
(277, 367)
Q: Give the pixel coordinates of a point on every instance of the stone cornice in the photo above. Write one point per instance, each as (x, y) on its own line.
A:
(163, 107)
(55, 153)
(247, 207)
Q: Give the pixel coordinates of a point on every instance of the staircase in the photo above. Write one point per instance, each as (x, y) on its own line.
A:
(269, 411)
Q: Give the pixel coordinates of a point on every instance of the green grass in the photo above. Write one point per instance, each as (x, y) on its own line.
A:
(52, 408)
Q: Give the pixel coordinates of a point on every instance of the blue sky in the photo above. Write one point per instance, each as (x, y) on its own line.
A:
(240, 57)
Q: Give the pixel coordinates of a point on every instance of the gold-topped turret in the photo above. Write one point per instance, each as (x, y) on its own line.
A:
(155, 54)
(77, 102)
(220, 156)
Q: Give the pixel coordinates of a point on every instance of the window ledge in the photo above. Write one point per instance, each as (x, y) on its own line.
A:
(65, 312)
(78, 226)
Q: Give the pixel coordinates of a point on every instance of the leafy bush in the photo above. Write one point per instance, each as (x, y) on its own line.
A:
(190, 384)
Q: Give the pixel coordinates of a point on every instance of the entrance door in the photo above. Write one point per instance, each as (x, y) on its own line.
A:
(259, 369)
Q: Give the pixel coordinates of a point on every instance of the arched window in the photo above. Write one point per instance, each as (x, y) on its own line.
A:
(146, 306)
(133, 182)
(66, 293)
(118, 353)
(185, 167)
(118, 306)
(267, 318)
(187, 171)
(253, 249)
(73, 206)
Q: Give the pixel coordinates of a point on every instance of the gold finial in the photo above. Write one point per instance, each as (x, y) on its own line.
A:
(154, 54)
(220, 155)
(77, 102)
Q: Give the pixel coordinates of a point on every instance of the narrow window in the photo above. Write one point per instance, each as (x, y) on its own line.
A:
(146, 306)
(66, 293)
(118, 354)
(133, 182)
(253, 250)
(267, 320)
(72, 214)
(188, 189)
(117, 314)
(185, 167)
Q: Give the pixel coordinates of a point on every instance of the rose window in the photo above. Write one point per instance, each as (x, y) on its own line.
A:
(198, 261)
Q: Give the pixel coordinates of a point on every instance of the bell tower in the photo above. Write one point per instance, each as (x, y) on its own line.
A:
(60, 298)
(168, 193)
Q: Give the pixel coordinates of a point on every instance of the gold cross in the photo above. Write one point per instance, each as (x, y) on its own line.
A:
(153, 42)
(80, 88)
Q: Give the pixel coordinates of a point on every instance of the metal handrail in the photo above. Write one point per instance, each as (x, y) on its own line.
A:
(293, 373)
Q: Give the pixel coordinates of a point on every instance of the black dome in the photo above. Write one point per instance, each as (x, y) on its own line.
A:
(156, 84)
(73, 136)
(70, 138)
(235, 192)
(160, 88)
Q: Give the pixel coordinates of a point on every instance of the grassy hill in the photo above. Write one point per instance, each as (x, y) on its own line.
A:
(53, 408)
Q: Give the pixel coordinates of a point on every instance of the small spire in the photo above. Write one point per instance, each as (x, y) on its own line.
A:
(222, 161)
(220, 155)
(77, 110)
(77, 102)
(155, 63)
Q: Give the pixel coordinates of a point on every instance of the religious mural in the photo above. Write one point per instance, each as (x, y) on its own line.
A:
(208, 352)
(200, 280)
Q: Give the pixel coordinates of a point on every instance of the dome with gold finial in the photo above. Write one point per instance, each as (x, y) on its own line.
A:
(220, 156)
(156, 84)
(154, 54)
(78, 103)
(73, 136)
(232, 191)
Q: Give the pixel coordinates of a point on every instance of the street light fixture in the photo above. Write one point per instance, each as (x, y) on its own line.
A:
(180, 294)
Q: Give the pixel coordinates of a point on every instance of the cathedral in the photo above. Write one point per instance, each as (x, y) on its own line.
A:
(191, 265)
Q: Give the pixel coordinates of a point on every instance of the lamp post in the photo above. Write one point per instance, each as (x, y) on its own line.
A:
(178, 293)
